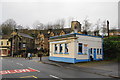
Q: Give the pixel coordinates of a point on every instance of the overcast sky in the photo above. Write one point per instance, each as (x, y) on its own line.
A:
(26, 12)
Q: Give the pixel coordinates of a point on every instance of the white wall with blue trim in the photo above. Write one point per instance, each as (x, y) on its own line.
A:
(79, 49)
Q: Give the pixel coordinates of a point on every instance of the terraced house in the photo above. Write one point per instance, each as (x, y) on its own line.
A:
(21, 42)
(4, 46)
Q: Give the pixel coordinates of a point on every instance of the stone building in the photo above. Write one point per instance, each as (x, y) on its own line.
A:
(21, 42)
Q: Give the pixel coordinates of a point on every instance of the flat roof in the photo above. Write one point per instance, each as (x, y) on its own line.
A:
(72, 35)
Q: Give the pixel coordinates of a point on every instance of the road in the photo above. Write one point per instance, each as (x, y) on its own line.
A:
(41, 70)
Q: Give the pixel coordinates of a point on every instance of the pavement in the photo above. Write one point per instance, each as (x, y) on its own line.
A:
(104, 68)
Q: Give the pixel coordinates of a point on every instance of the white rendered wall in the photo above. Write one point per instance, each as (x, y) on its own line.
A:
(93, 42)
(71, 48)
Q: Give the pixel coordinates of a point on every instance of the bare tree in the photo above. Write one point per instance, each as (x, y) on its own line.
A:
(19, 27)
(8, 26)
(49, 26)
(104, 28)
(27, 27)
(39, 26)
(97, 27)
(70, 19)
(59, 24)
(86, 25)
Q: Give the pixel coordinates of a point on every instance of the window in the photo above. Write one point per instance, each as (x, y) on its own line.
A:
(7, 43)
(85, 48)
(66, 48)
(1, 42)
(60, 47)
(97, 51)
(55, 47)
(80, 47)
(91, 51)
(100, 51)
(94, 50)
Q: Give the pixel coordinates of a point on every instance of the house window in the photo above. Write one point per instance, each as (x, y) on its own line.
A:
(7, 43)
(97, 51)
(1, 42)
(60, 47)
(80, 47)
(94, 50)
(100, 51)
(55, 47)
(66, 48)
(85, 48)
(91, 51)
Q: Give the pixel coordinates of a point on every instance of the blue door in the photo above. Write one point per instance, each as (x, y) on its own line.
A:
(94, 54)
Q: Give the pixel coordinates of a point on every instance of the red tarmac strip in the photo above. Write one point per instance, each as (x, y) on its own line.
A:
(16, 71)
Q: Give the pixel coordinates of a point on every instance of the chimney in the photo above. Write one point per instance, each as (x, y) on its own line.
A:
(75, 26)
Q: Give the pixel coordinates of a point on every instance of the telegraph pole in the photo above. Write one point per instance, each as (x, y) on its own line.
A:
(108, 27)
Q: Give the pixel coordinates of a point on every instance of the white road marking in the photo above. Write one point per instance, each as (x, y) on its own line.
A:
(34, 69)
(55, 77)
(19, 64)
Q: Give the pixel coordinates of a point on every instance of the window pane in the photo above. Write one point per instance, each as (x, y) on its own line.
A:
(66, 47)
(1, 42)
(55, 47)
(60, 47)
(100, 51)
(80, 47)
(91, 50)
(7, 43)
(97, 51)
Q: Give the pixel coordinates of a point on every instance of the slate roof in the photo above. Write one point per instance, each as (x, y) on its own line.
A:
(71, 35)
(55, 31)
(25, 35)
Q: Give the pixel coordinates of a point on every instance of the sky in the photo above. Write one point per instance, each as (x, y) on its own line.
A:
(27, 12)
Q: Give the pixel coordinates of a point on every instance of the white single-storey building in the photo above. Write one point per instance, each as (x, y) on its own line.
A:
(75, 47)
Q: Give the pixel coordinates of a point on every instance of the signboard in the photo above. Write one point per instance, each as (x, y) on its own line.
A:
(16, 71)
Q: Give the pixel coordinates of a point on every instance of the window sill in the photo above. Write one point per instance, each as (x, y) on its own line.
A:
(80, 53)
(66, 53)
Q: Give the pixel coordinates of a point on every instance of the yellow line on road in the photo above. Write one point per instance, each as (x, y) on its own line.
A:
(29, 77)
(34, 76)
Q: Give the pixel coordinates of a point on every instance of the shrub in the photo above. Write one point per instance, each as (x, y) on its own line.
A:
(111, 47)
